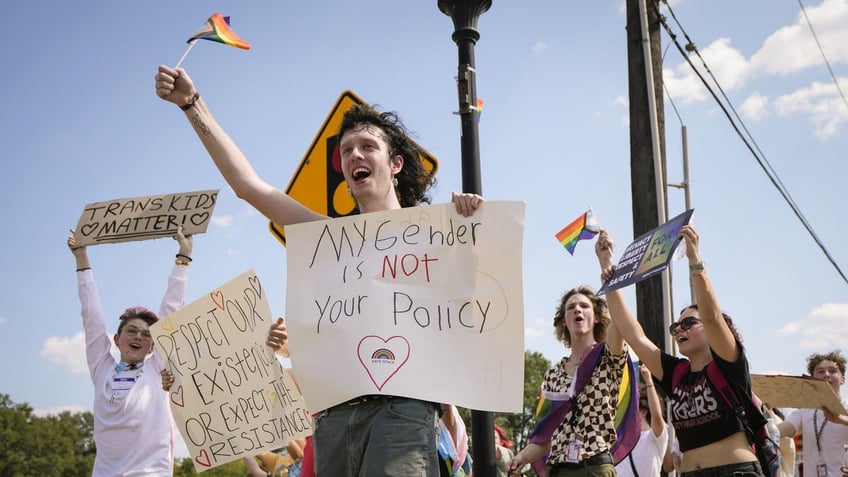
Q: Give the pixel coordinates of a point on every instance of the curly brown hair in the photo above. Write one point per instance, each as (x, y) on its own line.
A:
(836, 356)
(413, 180)
(599, 306)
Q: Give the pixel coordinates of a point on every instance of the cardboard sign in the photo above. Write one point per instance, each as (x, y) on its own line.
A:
(231, 397)
(142, 218)
(418, 302)
(800, 392)
(647, 255)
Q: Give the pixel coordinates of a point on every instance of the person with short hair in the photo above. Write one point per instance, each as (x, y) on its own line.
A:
(824, 438)
(133, 431)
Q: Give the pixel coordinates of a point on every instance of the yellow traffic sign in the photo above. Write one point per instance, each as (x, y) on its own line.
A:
(318, 182)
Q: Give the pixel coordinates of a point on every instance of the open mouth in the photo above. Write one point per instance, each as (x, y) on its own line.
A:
(135, 346)
(578, 319)
(360, 173)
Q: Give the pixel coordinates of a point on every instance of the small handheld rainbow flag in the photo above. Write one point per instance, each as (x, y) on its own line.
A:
(218, 29)
(479, 108)
(584, 227)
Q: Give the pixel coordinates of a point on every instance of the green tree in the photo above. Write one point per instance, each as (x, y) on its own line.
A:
(185, 468)
(55, 445)
(519, 426)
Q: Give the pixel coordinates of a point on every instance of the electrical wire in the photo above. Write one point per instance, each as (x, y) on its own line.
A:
(824, 57)
(749, 142)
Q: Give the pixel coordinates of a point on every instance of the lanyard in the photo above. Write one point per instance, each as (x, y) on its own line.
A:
(818, 430)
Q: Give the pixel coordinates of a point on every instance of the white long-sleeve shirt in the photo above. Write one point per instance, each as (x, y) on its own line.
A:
(133, 431)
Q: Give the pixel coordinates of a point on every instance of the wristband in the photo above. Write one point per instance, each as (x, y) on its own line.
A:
(186, 257)
(83, 269)
(696, 267)
(181, 261)
(191, 102)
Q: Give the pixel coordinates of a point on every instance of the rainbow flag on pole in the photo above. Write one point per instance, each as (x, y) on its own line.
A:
(218, 29)
(584, 227)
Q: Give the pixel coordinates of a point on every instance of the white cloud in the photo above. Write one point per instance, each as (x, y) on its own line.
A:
(755, 106)
(539, 47)
(727, 64)
(820, 103)
(222, 221)
(793, 48)
(66, 352)
(825, 327)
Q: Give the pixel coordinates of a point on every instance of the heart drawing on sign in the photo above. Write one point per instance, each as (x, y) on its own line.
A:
(203, 459)
(167, 324)
(199, 218)
(218, 298)
(382, 358)
(177, 397)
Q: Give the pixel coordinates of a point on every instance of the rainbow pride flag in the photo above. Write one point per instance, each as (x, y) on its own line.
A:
(550, 412)
(218, 29)
(479, 108)
(584, 227)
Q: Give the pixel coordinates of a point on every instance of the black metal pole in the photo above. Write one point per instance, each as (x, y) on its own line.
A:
(464, 14)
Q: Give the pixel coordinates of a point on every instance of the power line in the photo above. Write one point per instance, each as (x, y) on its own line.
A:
(758, 154)
(824, 57)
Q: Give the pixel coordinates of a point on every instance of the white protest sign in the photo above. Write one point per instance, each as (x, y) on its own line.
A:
(418, 302)
(142, 218)
(231, 397)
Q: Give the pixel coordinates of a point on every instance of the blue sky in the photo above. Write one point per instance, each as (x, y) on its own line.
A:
(81, 124)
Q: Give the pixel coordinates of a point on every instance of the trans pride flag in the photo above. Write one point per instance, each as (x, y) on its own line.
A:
(218, 29)
(551, 411)
(584, 227)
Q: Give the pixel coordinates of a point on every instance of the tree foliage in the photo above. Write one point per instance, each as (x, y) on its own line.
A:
(55, 445)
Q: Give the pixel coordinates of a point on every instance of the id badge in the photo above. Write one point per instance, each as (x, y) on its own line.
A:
(821, 470)
(573, 453)
(122, 384)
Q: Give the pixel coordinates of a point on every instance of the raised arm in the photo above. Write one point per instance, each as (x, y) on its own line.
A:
(718, 333)
(623, 320)
(603, 250)
(657, 420)
(174, 298)
(175, 86)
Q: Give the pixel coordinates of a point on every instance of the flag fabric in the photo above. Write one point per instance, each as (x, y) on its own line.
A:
(218, 29)
(479, 108)
(584, 227)
(553, 408)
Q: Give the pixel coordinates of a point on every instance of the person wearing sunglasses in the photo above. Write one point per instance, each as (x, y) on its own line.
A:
(132, 419)
(711, 437)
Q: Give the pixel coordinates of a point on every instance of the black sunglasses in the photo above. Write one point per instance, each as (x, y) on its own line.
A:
(683, 324)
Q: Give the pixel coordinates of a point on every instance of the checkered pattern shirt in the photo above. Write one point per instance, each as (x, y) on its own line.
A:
(595, 429)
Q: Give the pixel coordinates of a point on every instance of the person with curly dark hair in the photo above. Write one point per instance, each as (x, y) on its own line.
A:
(368, 435)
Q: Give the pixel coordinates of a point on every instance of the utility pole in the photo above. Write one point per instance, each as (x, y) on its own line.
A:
(464, 14)
(648, 203)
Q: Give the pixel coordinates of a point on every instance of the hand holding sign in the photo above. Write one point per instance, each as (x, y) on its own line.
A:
(650, 253)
